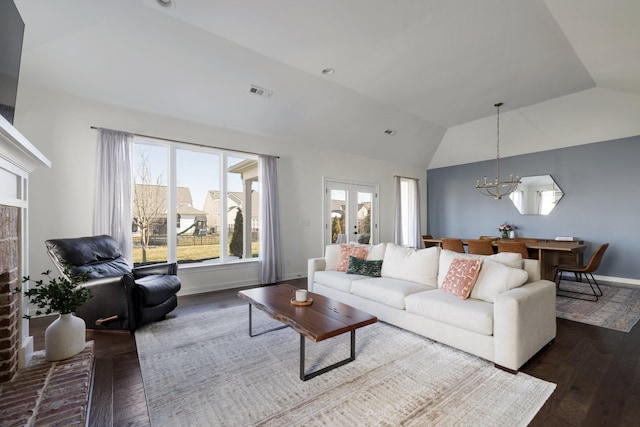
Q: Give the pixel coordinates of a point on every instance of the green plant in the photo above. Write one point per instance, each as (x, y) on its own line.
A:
(58, 295)
(236, 245)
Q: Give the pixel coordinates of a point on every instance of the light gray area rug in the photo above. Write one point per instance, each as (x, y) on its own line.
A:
(205, 370)
(618, 308)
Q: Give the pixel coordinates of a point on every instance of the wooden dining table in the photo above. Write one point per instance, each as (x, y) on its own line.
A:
(549, 252)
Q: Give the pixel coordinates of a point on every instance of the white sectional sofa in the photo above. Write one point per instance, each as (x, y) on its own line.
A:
(509, 316)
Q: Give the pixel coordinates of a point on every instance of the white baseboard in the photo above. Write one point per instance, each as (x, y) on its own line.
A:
(618, 280)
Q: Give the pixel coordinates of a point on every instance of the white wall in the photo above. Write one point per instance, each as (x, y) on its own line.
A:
(61, 200)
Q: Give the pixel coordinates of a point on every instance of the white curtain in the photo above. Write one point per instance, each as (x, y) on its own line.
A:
(112, 212)
(271, 265)
(407, 213)
(397, 210)
(415, 235)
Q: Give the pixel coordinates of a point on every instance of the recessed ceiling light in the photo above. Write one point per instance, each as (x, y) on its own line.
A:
(328, 71)
(167, 3)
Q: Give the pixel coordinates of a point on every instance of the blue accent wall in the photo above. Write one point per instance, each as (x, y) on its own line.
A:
(601, 200)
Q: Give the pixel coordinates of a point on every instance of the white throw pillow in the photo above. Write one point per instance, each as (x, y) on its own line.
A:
(510, 259)
(420, 266)
(331, 255)
(496, 278)
(376, 252)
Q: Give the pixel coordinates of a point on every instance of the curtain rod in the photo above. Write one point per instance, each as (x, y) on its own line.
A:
(405, 177)
(192, 143)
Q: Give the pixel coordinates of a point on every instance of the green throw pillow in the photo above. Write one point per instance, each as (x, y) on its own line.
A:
(364, 268)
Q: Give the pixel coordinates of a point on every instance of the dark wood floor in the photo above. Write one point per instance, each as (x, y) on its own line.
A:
(597, 371)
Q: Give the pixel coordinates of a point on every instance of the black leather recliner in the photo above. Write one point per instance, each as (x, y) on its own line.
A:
(123, 298)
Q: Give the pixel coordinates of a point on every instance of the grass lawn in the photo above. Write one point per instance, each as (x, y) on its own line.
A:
(194, 252)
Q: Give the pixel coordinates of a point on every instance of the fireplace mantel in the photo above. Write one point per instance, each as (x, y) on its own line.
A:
(18, 158)
(17, 149)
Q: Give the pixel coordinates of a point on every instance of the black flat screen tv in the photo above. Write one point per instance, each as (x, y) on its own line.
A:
(11, 35)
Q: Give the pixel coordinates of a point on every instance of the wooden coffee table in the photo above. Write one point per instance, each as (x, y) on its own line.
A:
(324, 318)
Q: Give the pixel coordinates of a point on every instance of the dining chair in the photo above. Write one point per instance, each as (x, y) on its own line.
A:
(517, 247)
(580, 270)
(453, 244)
(480, 247)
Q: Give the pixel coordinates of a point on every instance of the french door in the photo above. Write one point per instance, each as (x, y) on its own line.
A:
(350, 212)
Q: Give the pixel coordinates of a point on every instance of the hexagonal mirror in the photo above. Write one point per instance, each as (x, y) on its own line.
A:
(536, 195)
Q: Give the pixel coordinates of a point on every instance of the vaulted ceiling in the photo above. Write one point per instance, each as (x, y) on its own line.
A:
(568, 71)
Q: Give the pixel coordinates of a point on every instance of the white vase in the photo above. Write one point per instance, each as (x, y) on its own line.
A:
(65, 337)
(512, 234)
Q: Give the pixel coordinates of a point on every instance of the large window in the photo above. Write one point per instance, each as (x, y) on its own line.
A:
(193, 205)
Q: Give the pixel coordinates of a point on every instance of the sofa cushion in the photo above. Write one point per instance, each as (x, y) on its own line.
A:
(496, 278)
(509, 259)
(376, 252)
(461, 277)
(331, 254)
(347, 251)
(387, 291)
(532, 267)
(337, 279)
(364, 268)
(469, 314)
(420, 266)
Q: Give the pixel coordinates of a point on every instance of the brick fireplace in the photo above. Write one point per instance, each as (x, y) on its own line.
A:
(9, 299)
(18, 158)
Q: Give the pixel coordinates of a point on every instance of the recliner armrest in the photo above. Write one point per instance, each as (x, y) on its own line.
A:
(111, 296)
(147, 270)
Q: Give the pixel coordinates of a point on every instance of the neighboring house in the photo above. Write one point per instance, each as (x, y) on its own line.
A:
(150, 204)
(234, 200)
(247, 200)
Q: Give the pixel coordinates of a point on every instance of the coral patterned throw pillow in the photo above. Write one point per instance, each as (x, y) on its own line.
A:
(346, 251)
(461, 277)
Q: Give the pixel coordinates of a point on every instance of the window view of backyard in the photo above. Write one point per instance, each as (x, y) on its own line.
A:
(216, 212)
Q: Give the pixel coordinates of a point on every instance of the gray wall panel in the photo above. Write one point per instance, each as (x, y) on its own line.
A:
(601, 202)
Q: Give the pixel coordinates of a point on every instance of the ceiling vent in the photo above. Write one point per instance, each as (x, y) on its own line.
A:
(390, 132)
(257, 90)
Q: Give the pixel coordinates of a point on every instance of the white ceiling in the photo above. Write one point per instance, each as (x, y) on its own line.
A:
(568, 71)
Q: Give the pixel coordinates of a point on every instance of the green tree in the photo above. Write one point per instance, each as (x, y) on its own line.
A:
(149, 201)
(236, 244)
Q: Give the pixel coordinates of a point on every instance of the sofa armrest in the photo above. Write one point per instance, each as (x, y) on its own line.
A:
(524, 322)
(313, 265)
(147, 270)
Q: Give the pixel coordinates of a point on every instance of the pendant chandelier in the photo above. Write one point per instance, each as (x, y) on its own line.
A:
(497, 188)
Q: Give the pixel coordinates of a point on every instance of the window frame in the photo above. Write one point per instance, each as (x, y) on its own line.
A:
(172, 148)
